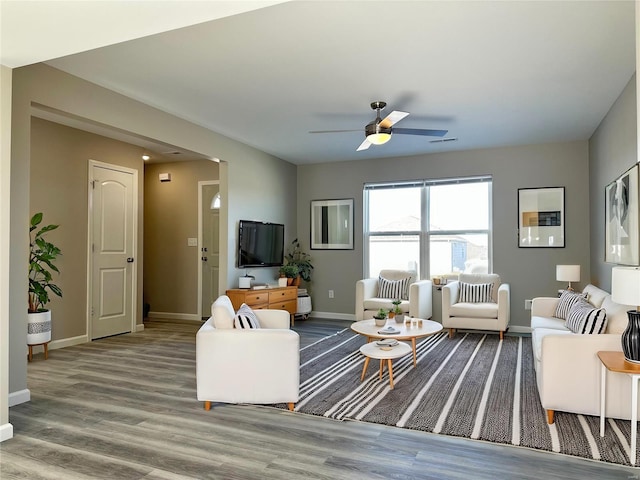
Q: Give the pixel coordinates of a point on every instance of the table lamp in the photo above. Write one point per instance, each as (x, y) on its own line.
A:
(568, 273)
(625, 289)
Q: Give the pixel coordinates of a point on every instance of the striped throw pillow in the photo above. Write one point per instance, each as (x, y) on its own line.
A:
(245, 318)
(475, 293)
(567, 300)
(393, 288)
(585, 318)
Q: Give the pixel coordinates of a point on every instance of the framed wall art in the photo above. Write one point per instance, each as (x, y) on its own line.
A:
(621, 219)
(541, 222)
(332, 224)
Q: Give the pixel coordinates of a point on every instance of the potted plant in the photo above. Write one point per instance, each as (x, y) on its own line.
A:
(295, 256)
(42, 255)
(399, 316)
(290, 271)
(380, 318)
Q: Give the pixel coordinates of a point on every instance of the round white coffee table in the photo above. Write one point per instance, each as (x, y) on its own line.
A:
(371, 350)
(411, 329)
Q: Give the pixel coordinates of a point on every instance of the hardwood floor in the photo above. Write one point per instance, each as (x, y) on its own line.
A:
(125, 408)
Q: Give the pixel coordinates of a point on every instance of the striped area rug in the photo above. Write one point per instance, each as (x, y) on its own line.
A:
(473, 386)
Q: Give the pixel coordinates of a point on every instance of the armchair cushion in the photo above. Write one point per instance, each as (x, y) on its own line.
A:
(474, 310)
(584, 318)
(246, 318)
(393, 288)
(475, 292)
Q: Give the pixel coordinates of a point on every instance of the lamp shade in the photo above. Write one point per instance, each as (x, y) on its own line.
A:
(567, 273)
(625, 285)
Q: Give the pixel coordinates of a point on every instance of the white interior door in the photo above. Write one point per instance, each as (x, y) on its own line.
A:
(209, 247)
(112, 235)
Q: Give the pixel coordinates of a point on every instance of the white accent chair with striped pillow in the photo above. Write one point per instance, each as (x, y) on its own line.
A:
(247, 364)
(373, 294)
(476, 301)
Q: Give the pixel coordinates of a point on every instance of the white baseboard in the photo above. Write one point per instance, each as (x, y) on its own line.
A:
(6, 432)
(62, 343)
(139, 327)
(333, 315)
(21, 396)
(191, 317)
(517, 329)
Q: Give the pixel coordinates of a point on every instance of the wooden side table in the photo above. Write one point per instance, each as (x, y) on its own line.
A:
(615, 362)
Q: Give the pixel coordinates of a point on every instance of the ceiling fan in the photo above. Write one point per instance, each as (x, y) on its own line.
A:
(379, 131)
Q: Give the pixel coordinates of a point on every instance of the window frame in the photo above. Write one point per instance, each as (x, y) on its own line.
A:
(425, 234)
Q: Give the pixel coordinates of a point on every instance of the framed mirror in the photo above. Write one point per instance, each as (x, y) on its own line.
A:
(541, 217)
(332, 224)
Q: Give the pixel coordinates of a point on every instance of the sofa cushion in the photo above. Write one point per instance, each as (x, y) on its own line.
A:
(548, 322)
(616, 315)
(595, 295)
(539, 333)
(567, 300)
(393, 288)
(245, 318)
(584, 318)
(475, 292)
(474, 310)
(222, 313)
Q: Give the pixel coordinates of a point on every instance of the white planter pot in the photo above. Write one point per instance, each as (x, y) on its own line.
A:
(282, 282)
(39, 327)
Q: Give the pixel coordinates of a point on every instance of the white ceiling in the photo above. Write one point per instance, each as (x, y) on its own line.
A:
(492, 73)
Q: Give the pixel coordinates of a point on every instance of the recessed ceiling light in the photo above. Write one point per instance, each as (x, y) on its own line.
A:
(146, 157)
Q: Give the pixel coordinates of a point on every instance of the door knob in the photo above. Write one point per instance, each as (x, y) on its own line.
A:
(130, 260)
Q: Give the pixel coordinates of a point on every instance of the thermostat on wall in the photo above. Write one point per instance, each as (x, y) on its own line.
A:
(165, 177)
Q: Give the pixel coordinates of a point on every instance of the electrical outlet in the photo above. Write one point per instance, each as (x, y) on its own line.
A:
(527, 304)
(330, 293)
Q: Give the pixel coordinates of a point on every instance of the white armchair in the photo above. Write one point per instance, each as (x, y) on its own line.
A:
(418, 305)
(492, 315)
(235, 365)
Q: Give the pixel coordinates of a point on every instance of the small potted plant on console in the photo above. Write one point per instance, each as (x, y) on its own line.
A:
(290, 271)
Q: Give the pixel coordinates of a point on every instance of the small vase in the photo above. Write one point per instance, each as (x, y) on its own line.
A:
(399, 317)
(631, 338)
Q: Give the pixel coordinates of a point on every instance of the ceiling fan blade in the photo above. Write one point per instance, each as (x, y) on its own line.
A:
(334, 131)
(421, 131)
(392, 118)
(364, 145)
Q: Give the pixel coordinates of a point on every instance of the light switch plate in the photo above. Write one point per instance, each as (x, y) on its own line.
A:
(192, 242)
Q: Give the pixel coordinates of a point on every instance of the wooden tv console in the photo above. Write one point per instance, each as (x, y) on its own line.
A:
(277, 298)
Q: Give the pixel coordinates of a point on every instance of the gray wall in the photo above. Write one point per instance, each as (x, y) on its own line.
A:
(531, 272)
(612, 151)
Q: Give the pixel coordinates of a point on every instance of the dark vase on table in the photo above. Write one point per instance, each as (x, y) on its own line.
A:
(631, 337)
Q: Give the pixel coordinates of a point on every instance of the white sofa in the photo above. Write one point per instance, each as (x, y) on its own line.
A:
(567, 366)
(418, 305)
(235, 365)
(493, 315)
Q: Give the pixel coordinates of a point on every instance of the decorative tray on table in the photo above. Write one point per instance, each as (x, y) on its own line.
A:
(388, 330)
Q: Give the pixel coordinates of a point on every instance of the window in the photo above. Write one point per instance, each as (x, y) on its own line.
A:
(432, 227)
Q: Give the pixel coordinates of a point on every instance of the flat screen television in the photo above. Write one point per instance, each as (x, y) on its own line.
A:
(260, 244)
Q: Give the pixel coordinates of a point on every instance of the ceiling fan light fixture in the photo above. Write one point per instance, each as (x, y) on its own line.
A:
(379, 138)
(376, 134)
